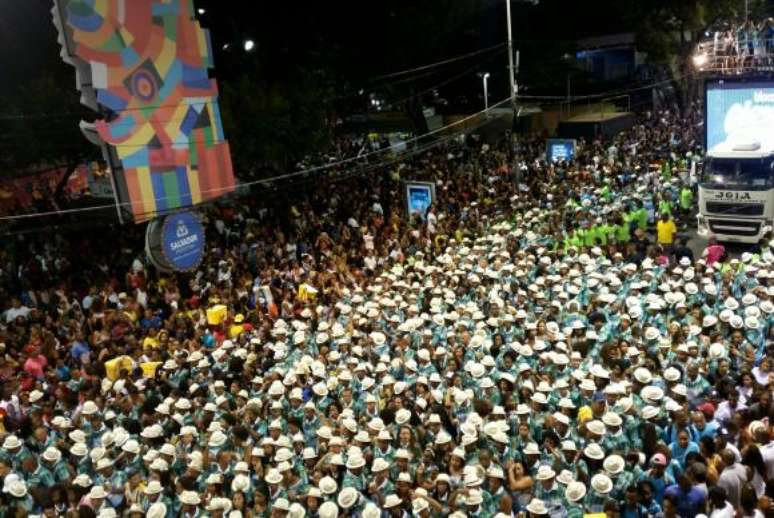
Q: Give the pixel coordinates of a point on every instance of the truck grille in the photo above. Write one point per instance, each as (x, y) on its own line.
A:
(739, 209)
(734, 227)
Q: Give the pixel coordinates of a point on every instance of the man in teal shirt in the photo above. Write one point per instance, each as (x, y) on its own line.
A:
(52, 460)
(36, 475)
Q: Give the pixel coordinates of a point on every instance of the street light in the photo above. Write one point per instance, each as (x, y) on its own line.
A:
(249, 45)
(485, 78)
(201, 10)
(699, 60)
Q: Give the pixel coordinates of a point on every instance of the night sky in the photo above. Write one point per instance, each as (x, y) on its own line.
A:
(365, 39)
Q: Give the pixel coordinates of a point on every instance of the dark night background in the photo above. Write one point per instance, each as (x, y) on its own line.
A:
(312, 59)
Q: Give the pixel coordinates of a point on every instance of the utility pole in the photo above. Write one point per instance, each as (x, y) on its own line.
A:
(513, 69)
(511, 74)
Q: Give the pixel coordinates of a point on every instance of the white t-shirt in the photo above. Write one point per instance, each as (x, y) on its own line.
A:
(757, 483)
(13, 313)
(727, 512)
(762, 378)
(142, 298)
(768, 458)
(432, 221)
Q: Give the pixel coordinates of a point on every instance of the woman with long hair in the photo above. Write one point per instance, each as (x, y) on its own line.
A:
(407, 440)
(718, 505)
(757, 474)
(709, 453)
(456, 468)
(650, 437)
(748, 503)
(520, 486)
(746, 388)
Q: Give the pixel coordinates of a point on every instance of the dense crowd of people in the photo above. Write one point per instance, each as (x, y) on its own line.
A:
(747, 44)
(529, 345)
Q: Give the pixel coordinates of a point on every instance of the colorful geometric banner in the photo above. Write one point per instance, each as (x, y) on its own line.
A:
(143, 65)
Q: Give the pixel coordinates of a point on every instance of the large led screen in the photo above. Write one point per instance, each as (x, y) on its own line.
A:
(740, 116)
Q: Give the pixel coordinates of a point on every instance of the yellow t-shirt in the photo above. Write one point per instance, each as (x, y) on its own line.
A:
(150, 342)
(149, 369)
(666, 231)
(306, 292)
(235, 330)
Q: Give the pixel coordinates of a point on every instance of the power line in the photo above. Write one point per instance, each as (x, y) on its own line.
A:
(438, 63)
(11, 116)
(598, 95)
(341, 178)
(445, 82)
(271, 179)
(382, 86)
(21, 116)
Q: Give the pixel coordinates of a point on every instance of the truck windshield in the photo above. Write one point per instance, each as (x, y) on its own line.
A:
(744, 174)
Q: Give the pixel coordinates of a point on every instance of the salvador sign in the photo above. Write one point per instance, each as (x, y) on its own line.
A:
(182, 241)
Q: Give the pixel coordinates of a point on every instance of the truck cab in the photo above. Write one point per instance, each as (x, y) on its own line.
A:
(736, 195)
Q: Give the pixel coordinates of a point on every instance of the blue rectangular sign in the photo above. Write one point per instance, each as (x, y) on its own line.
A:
(560, 149)
(419, 196)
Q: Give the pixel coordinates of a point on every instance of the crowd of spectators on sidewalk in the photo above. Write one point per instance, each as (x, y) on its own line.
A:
(528, 345)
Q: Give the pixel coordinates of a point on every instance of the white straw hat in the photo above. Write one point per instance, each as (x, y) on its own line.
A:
(97, 492)
(537, 506)
(575, 491)
(601, 483)
(190, 498)
(348, 497)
